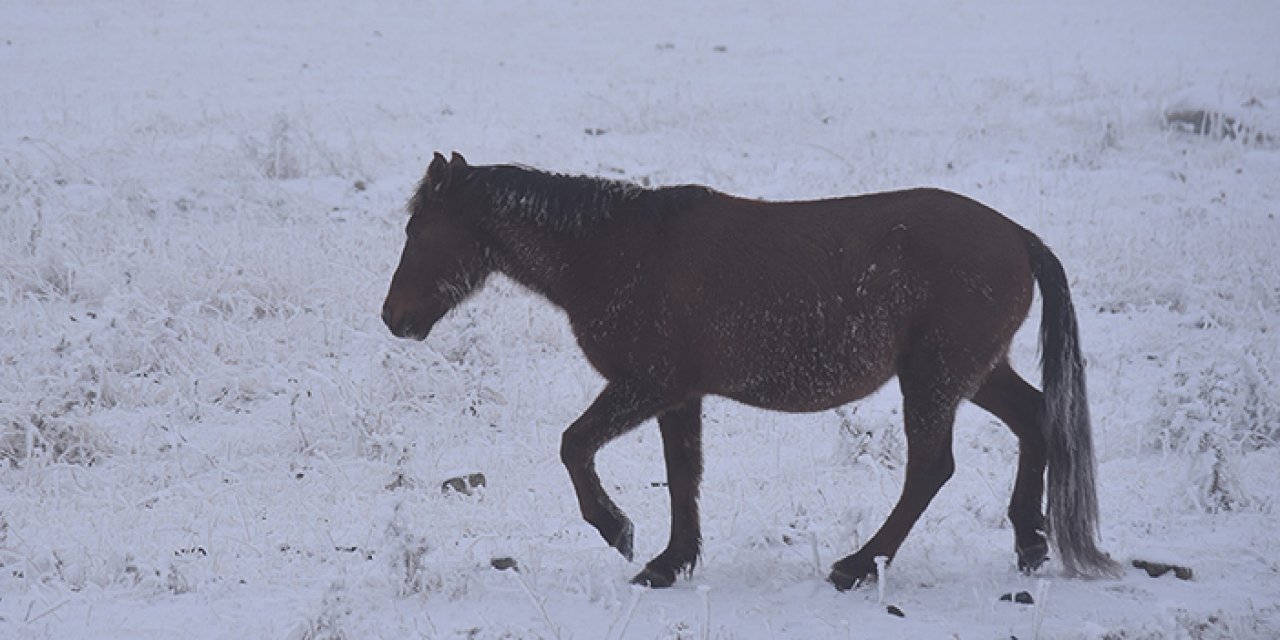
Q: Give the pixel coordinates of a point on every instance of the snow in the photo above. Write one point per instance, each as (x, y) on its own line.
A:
(206, 432)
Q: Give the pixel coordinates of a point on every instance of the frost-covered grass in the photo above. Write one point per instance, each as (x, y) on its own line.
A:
(205, 431)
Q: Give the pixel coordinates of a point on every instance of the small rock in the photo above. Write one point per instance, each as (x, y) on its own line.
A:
(1157, 569)
(895, 611)
(464, 485)
(360, 185)
(504, 563)
(1021, 597)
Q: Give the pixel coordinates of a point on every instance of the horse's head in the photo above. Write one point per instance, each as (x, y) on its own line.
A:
(445, 258)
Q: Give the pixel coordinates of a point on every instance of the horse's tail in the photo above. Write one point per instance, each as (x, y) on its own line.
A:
(1073, 498)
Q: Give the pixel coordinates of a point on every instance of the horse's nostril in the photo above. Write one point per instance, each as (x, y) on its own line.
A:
(402, 326)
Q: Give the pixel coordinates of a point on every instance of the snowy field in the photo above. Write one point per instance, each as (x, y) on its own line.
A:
(206, 432)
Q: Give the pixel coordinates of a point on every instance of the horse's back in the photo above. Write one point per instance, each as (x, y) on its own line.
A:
(919, 238)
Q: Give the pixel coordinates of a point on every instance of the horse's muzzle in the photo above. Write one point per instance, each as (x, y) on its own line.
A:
(403, 326)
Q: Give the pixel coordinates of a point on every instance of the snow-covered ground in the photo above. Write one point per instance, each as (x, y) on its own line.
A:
(206, 432)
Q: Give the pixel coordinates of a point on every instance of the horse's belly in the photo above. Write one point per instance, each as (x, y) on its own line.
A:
(805, 371)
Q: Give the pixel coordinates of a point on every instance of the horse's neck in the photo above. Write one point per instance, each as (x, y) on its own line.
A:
(541, 260)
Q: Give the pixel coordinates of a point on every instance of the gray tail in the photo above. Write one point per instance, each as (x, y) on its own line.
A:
(1073, 497)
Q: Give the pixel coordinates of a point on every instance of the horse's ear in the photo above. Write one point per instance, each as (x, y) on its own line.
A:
(438, 174)
(457, 161)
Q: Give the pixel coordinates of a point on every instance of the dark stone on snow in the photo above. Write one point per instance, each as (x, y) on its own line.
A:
(895, 611)
(1021, 597)
(464, 485)
(505, 563)
(1157, 569)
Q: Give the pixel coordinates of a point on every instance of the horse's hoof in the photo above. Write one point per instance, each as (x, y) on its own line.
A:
(653, 579)
(842, 580)
(1030, 559)
(662, 571)
(845, 582)
(850, 574)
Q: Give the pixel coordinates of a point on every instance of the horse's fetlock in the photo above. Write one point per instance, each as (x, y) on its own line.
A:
(616, 530)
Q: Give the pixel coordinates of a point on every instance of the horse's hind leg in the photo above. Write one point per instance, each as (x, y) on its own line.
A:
(682, 447)
(1007, 396)
(929, 408)
(618, 409)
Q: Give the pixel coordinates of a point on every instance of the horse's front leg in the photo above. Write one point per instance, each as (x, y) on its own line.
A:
(682, 448)
(621, 407)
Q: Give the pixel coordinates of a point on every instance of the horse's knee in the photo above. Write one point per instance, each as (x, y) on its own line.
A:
(573, 449)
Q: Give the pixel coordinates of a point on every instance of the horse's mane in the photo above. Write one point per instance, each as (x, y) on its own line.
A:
(569, 203)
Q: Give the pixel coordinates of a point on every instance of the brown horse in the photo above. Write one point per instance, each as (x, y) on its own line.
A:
(681, 292)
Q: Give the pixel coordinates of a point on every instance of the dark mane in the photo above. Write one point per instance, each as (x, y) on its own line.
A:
(568, 203)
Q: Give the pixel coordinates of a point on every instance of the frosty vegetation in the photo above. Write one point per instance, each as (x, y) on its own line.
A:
(205, 430)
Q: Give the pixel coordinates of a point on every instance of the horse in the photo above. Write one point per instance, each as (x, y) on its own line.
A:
(682, 292)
